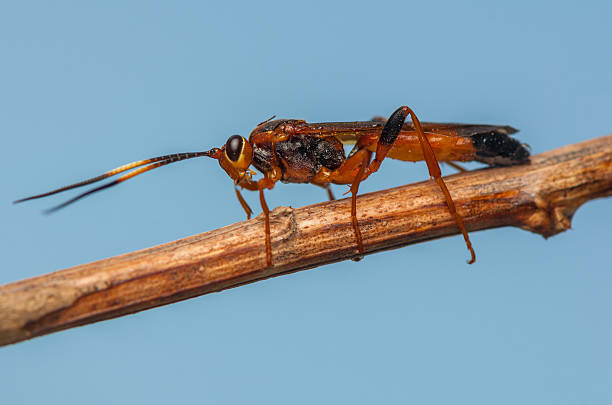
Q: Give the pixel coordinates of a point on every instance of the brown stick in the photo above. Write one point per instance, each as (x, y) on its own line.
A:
(540, 197)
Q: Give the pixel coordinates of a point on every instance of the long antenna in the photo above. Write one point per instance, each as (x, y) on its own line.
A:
(149, 164)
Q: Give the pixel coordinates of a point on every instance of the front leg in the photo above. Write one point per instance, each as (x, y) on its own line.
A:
(260, 185)
(243, 203)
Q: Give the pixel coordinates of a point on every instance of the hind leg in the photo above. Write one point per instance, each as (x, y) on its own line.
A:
(385, 142)
(456, 166)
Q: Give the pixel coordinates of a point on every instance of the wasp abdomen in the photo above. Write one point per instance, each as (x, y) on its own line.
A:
(498, 148)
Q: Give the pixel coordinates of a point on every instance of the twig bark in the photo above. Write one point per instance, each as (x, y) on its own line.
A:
(540, 197)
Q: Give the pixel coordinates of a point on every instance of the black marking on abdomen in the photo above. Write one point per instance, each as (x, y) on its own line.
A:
(496, 147)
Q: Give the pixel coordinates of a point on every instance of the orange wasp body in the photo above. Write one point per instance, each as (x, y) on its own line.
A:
(295, 151)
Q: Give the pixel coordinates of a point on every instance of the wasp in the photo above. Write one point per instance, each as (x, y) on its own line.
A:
(294, 151)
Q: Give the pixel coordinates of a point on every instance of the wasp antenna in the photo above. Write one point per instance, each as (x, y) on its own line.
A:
(78, 197)
(103, 176)
(170, 158)
(266, 121)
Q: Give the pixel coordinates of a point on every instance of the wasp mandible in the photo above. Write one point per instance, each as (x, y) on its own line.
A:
(294, 151)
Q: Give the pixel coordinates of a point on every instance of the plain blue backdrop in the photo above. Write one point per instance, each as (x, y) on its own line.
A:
(87, 87)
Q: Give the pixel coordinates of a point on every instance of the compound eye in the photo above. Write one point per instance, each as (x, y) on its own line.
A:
(233, 147)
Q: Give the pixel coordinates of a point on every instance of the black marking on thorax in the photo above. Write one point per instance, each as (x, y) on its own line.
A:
(299, 157)
(263, 159)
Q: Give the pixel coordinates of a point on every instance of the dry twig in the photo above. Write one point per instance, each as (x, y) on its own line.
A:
(540, 197)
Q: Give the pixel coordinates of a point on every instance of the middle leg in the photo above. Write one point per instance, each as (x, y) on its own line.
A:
(352, 172)
(327, 187)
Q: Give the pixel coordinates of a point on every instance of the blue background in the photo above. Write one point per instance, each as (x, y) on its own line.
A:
(84, 88)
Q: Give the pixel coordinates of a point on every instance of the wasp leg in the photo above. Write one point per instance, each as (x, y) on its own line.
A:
(244, 204)
(456, 166)
(261, 184)
(327, 187)
(365, 159)
(352, 172)
(385, 141)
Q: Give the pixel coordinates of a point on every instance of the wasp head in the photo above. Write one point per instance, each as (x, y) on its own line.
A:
(234, 157)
